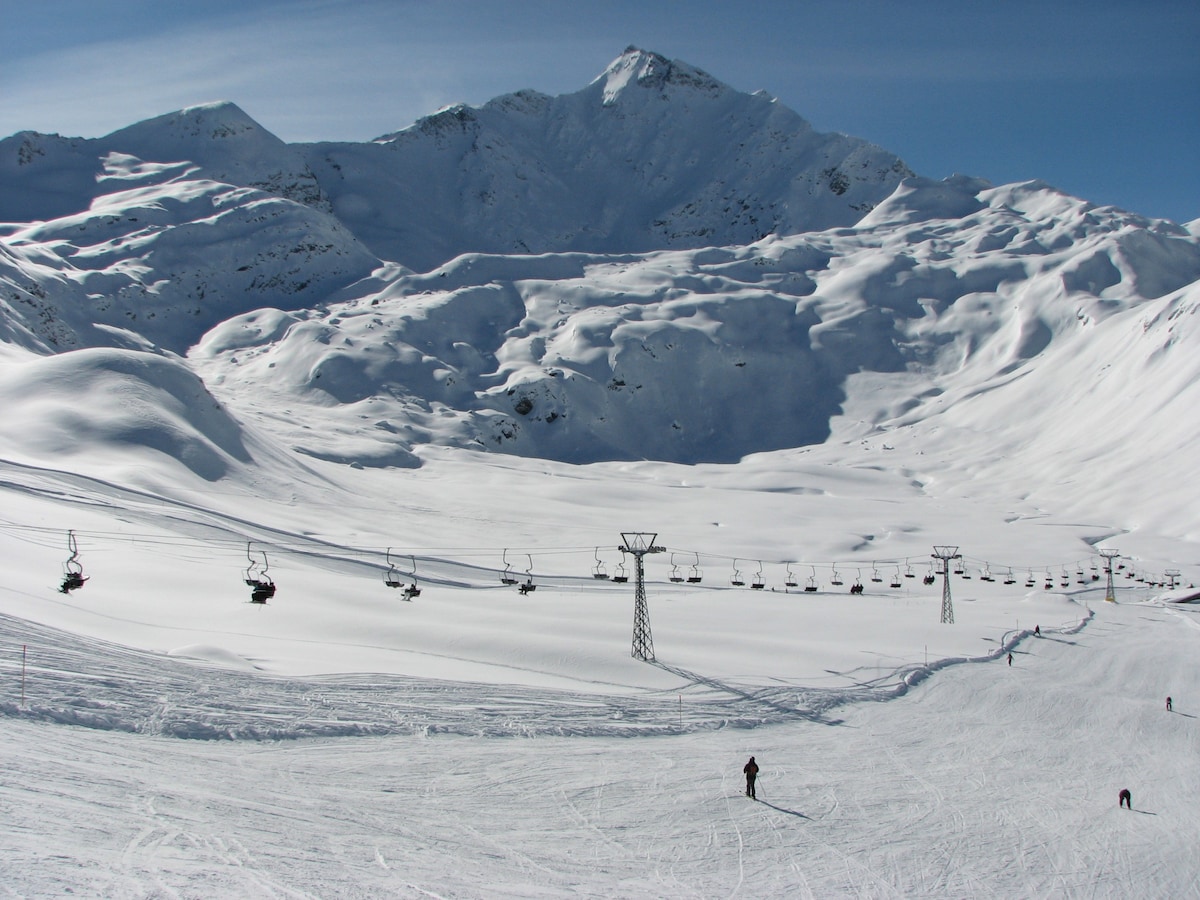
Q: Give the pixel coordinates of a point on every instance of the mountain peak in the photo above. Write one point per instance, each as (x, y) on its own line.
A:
(645, 69)
(218, 120)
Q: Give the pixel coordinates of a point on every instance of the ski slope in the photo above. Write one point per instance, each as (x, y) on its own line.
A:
(981, 780)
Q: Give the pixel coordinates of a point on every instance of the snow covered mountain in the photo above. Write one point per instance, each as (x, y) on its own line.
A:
(656, 266)
(492, 343)
(653, 154)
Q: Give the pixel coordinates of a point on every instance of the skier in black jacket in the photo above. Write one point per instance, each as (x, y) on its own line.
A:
(751, 770)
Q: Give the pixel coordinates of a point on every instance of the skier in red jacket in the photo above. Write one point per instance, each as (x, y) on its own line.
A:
(751, 770)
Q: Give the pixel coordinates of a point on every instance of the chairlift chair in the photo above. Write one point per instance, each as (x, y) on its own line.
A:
(391, 577)
(810, 586)
(528, 586)
(506, 577)
(857, 587)
(836, 579)
(875, 576)
(621, 576)
(598, 571)
(736, 580)
(262, 587)
(73, 577)
(1009, 579)
(790, 579)
(895, 582)
(758, 584)
(674, 576)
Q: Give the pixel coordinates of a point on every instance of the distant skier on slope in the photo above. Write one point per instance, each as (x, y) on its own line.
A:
(1125, 798)
(751, 770)
(1010, 659)
(1168, 704)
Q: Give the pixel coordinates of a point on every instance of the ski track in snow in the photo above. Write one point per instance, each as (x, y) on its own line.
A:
(76, 680)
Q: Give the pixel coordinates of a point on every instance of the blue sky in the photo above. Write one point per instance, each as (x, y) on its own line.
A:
(1099, 98)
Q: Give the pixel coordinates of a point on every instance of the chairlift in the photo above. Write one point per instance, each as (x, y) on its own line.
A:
(895, 582)
(758, 584)
(810, 587)
(908, 570)
(674, 576)
(695, 576)
(412, 590)
(391, 577)
(528, 586)
(621, 576)
(836, 579)
(1009, 579)
(1049, 581)
(790, 579)
(1029, 580)
(930, 577)
(73, 577)
(262, 587)
(506, 577)
(857, 587)
(736, 580)
(875, 576)
(598, 571)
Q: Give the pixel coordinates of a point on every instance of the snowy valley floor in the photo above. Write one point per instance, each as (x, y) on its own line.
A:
(980, 780)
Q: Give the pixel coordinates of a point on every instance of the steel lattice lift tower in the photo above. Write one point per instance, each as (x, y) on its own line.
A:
(1110, 593)
(945, 554)
(639, 544)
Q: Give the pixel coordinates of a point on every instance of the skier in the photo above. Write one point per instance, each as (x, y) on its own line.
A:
(1125, 798)
(1037, 630)
(751, 770)
(1010, 659)
(1168, 704)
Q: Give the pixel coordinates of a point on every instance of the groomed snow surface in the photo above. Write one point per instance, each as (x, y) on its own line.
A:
(169, 739)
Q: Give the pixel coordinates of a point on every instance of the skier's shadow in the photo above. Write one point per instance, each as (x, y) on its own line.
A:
(790, 812)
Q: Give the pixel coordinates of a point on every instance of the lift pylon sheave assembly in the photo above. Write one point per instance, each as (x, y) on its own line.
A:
(945, 554)
(1110, 593)
(639, 544)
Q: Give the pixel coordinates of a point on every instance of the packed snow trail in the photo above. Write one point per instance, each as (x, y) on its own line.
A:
(983, 781)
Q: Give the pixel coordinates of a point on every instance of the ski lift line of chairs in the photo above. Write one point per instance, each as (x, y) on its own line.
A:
(262, 587)
(73, 577)
(392, 577)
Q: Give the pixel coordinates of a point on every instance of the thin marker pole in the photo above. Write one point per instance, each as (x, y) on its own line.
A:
(22, 674)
